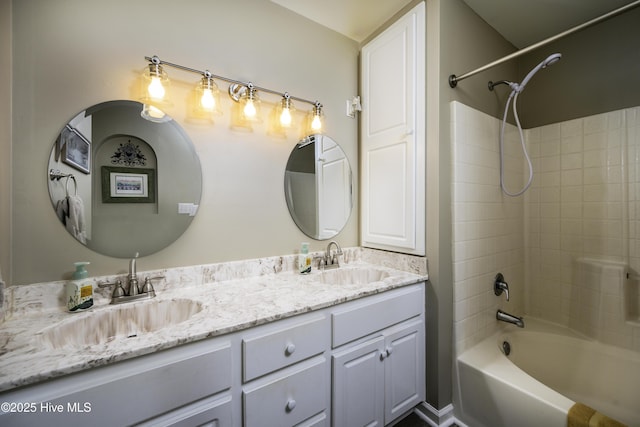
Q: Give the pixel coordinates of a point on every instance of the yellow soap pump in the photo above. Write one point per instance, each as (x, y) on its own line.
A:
(79, 290)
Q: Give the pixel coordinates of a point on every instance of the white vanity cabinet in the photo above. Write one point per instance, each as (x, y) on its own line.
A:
(133, 391)
(286, 372)
(379, 374)
(368, 352)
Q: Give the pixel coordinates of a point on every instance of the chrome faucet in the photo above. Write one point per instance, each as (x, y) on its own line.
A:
(499, 286)
(121, 295)
(331, 261)
(510, 318)
(132, 278)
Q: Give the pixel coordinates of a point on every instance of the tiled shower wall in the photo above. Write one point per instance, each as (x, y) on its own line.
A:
(584, 203)
(488, 228)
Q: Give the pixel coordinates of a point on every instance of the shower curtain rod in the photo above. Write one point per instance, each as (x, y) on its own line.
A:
(453, 79)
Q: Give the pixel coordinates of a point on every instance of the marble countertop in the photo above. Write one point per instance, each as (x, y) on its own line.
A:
(228, 305)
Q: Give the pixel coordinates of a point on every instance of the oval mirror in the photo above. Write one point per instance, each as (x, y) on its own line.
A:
(122, 184)
(318, 187)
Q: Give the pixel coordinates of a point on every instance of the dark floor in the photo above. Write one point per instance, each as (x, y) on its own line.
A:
(412, 421)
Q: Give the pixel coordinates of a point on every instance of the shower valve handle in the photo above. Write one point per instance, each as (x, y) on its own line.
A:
(499, 286)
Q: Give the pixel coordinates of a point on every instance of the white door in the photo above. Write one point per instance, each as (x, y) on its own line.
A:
(333, 187)
(358, 386)
(404, 370)
(393, 136)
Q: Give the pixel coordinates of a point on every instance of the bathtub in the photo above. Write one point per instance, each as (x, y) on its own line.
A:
(548, 369)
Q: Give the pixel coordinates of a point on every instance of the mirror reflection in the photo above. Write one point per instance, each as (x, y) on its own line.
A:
(121, 184)
(318, 187)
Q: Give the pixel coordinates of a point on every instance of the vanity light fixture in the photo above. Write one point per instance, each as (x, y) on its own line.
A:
(208, 94)
(286, 107)
(316, 119)
(251, 104)
(156, 81)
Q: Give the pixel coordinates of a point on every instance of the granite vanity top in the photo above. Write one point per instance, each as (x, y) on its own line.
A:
(228, 305)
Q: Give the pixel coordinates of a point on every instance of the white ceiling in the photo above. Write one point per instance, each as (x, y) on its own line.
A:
(356, 19)
(522, 22)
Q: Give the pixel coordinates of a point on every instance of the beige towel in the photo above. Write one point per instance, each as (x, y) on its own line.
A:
(581, 415)
(70, 210)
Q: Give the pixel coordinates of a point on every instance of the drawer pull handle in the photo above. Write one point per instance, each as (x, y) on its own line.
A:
(290, 349)
(291, 405)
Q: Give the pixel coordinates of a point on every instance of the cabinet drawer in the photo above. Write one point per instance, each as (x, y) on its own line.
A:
(287, 399)
(131, 391)
(376, 313)
(282, 344)
(207, 412)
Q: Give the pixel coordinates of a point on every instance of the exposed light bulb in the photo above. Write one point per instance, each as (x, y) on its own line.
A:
(285, 117)
(285, 111)
(316, 123)
(207, 101)
(155, 89)
(249, 109)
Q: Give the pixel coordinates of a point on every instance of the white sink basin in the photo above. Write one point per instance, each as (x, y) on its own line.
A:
(118, 322)
(352, 276)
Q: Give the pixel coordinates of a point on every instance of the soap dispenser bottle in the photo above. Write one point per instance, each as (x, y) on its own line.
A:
(79, 290)
(304, 259)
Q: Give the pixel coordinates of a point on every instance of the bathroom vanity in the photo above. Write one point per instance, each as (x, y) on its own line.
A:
(341, 348)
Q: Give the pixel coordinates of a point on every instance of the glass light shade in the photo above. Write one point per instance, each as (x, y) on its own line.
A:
(208, 96)
(286, 110)
(251, 105)
(155, 85)
(316, 122)
(154, 114)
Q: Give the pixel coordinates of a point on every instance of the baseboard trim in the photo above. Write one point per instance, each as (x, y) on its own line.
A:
(435, 417)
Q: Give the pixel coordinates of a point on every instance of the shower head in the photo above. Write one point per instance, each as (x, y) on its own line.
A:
(551, 59)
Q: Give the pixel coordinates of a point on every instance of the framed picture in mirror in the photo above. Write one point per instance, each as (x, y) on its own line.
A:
(75, 149)
(128, 185)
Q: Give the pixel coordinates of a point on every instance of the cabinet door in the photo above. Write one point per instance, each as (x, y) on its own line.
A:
(358, 385)
(393, 137)
(404, 369)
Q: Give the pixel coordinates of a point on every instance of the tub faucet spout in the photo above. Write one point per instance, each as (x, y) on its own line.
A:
(510, 318)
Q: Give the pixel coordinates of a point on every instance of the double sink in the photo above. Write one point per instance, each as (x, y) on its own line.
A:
(109, 323)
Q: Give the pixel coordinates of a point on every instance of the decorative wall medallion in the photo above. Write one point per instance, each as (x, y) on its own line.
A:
(128, 154)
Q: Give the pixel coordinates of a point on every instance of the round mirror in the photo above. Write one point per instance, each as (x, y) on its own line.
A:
(318, 187)
(122, 184)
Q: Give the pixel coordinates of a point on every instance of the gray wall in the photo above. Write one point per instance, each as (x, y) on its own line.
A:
(5, 138)
(465, 42)
(599, 72)
(71, 54)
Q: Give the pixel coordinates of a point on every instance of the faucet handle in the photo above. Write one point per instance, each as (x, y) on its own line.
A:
(148, 287)
(499, 286)
(322, 261)
(118, 291)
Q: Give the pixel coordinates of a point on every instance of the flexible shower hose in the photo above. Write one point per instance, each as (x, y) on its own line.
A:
(514, 95)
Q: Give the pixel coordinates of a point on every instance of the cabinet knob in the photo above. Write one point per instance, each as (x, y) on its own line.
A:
(290, 349)
(389, 351)
(291, 405)
(383, 355)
